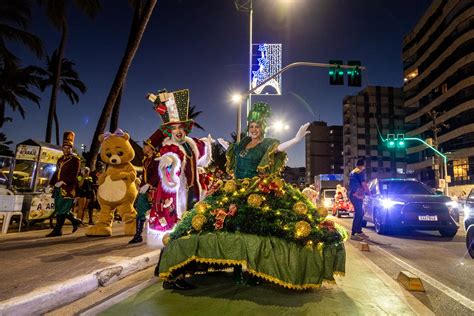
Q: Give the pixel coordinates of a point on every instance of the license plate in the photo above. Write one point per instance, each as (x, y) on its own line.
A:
(430, 218)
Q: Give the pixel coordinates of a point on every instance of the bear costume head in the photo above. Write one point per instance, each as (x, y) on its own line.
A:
(116, 148)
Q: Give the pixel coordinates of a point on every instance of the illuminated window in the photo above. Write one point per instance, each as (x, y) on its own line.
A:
(461, 170)
(411, 75)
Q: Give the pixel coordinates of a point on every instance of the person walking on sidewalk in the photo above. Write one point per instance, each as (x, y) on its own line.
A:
(357, 189)
(64, 181)
(85, 193)
(149, 182)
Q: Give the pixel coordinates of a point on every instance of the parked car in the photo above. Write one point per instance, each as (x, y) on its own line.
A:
(409, 204)
(469, 222)
(327, 198)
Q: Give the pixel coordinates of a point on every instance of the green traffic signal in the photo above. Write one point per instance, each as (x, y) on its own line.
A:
(395, 141)
(336, 74)
(354, 78)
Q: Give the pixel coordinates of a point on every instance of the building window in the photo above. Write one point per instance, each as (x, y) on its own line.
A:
(461, 170)
(411, 75)
(444, 88)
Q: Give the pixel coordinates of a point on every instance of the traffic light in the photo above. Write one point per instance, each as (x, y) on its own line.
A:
(354, 78)
(391, 141)
(401, 141)
(336, 74)
(396, 141)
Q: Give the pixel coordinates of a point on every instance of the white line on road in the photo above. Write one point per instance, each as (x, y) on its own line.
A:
(424, 277)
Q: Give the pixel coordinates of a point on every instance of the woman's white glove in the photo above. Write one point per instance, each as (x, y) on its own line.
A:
(223, 143)
(166, 161)
(302, 132)
(144, 189)
(208, 139)
(60, 183)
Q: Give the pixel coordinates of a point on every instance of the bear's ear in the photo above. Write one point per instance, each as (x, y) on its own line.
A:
(126, 136)
(101, 138)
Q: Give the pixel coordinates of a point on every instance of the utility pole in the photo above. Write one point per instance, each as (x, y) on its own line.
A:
(435, 128)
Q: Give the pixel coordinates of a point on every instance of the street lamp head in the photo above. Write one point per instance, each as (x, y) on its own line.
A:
(236, 98)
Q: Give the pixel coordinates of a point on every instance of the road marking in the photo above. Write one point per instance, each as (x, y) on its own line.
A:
(424, 277)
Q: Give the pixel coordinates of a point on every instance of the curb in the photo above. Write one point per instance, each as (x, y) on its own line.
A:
(50, 297)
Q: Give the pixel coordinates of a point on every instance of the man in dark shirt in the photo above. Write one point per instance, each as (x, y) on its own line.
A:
(357, 189)
(64, 181)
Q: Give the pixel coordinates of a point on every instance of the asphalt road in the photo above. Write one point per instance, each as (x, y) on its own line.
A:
(443, 264)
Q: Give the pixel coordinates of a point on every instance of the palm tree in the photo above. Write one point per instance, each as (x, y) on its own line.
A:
(5, 149)
(193, 114)
(56, 10)
(15, 16)
(15, 86)
(69, 82)
(137, 6)
(120, 77)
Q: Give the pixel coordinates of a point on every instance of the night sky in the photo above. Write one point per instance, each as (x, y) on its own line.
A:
(203, 45)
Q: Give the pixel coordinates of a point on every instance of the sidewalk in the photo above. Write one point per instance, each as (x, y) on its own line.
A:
(39, 274)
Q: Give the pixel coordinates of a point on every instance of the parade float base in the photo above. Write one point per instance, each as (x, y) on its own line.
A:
(272, 259)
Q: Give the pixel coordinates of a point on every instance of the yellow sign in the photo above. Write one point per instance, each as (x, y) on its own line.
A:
(42, 207)
(26, 152)
(49, 155)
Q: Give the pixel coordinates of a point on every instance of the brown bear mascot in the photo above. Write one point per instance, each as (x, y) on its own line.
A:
(117, 186)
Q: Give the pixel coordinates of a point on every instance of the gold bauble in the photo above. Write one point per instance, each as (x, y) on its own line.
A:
(254, 200)
(197, 221)
(302, 229)
(300, 208)
(322, 211)
(230, 186)
(201, 207)
(166, 239)
(245, 183)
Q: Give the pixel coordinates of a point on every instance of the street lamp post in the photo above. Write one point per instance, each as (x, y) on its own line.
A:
(249, 99)
(237, 99)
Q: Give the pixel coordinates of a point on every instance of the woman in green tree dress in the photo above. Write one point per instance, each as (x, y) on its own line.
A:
(256, 222)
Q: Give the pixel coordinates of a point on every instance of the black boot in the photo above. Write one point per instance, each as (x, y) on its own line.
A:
(75, 222)
(138, 235)
(57, 231)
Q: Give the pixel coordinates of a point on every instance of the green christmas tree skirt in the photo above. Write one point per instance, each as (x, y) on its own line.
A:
(270, 258)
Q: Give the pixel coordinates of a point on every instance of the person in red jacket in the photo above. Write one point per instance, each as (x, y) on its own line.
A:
(64, 181)
(149, 181)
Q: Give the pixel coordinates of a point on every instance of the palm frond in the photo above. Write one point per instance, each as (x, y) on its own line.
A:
(89, 7)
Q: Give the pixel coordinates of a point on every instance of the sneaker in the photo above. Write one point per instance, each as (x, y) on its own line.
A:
(181, 284)
(168, 285)
(356, 237)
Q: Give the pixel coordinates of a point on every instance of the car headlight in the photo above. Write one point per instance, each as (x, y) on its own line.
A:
(468, 211)
(327, 203)
(388, 203)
